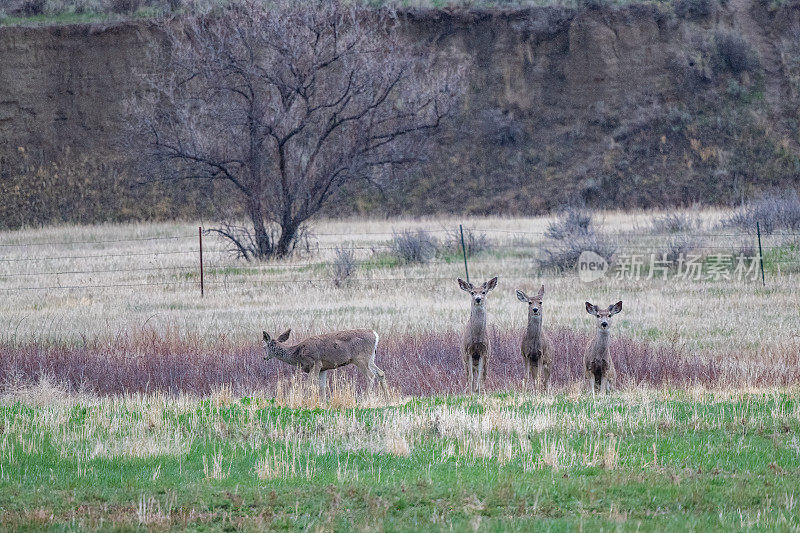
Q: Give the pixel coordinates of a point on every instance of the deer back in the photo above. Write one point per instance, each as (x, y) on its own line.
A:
(336, 349)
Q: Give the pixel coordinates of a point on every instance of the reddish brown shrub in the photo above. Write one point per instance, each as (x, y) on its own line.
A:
(427, 364)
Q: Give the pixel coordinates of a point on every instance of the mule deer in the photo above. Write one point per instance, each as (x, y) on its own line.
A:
(317, 355)
(536, 354)
(475, 349)
(599, 370)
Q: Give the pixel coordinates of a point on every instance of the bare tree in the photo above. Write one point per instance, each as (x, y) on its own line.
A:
(288, 103)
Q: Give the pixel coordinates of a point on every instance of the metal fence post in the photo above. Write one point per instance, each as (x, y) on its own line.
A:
(200, 237)
(464, 251)
(760, 254)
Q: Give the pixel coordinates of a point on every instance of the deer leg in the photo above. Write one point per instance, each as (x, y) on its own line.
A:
(479, 377)
(588, 381)
(323, 384)
(469, 377)
(381, 377)
(534, 373)
(608, 382)
(313, 375)
(545, 371)
(364, 368)
(527, 371)
(484, 366)
(611, 376)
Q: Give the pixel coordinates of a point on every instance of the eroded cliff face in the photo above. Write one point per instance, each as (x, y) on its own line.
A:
(64, 87)
(629, 106)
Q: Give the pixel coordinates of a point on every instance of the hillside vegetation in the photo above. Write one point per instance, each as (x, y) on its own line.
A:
(636, 105)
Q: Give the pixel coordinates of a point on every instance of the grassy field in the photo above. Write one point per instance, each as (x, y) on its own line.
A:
(640, 460)
(127, 401)
(106, 283)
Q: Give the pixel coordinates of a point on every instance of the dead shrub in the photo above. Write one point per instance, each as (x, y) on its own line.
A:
(32, 8)
(125, 7)
(571, 221)
(694, 9)
(674, 223)
(414, 246)
(569, 236)
(474, 241)
(563, 254)
(773, 211)
(679, 247)
(343, 266)
(734, 54)
(420, 365)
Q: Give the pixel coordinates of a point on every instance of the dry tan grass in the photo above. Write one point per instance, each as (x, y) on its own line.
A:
(284, 464)
(298, 391)
(243, 299)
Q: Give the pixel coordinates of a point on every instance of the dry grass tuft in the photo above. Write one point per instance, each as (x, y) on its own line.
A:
(214, 468)
(284, 464)
(396, 444)
(45, 390)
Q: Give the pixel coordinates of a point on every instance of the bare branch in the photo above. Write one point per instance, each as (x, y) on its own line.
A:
(289, 103)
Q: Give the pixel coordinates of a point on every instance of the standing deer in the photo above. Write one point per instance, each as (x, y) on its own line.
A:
(598, 367)
(475, 349)
(536, 353)
(316, 355)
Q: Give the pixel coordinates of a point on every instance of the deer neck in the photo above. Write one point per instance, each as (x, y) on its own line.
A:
(477, 319)
(534, 331)
(287, 355)
(601, 341)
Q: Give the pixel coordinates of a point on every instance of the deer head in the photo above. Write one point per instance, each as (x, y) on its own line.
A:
(478, 294)
(274, 347)
(534, 302)
(604, 315)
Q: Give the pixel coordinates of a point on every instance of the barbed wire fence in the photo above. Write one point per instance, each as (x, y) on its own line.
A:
(23, 269)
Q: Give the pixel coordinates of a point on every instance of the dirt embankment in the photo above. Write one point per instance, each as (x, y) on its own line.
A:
(625, 106)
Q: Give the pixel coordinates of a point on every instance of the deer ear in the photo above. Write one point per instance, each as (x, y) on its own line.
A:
(522, 297)
(591, 309)
(541, 292)
(266, 336)
(616, 308)
(465, 285)
(285, 335)
(491, 284)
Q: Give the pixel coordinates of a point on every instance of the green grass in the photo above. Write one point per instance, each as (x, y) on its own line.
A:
(70, 15)
(721, 461)
(782, 258)
(380, 261)
(54, 19)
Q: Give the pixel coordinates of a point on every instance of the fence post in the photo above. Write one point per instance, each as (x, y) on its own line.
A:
(464, 251)
(200, 237)
(760, 254)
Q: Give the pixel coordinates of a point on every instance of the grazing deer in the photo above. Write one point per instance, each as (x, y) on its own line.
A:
(536, 353)
(475, 349)
(598, 367)
(317, 355)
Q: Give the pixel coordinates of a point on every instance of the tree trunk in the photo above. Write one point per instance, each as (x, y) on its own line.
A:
(286, 241)
(263, 244)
